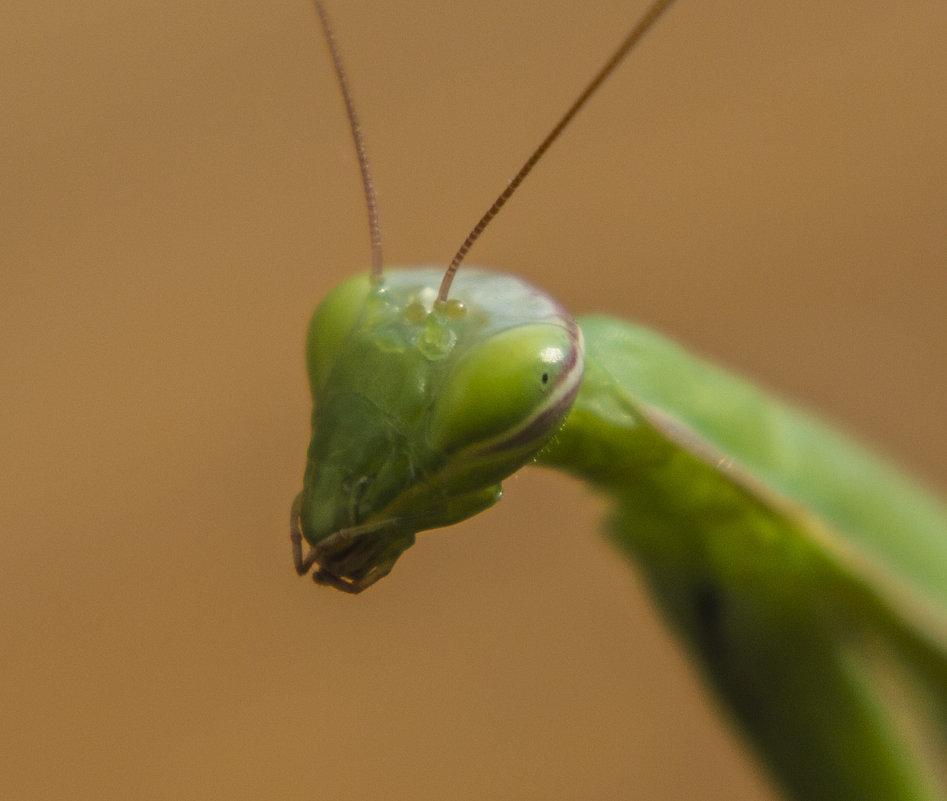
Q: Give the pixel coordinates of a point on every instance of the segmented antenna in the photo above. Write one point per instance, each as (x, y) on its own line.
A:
(650, 17)
(368, 183)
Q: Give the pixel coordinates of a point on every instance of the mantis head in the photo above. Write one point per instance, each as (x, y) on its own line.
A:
(423, 405)
(420, 408)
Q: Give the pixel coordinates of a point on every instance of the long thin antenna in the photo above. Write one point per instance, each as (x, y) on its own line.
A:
(368, 183)
(650, 17)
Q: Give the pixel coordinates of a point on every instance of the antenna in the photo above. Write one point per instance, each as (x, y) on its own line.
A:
(650, 17)
(368, 183)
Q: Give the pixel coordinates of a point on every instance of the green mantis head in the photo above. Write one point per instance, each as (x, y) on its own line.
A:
(421, 408)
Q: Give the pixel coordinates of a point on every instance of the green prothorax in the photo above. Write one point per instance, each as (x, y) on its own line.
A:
(420, 408)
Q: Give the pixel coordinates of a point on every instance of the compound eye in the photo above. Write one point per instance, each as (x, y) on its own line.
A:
(501, 385)
(331, 324)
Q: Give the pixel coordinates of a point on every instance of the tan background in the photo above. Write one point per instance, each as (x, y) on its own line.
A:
(767, 182)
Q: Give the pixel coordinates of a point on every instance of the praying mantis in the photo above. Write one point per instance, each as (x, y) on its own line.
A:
(806, 577)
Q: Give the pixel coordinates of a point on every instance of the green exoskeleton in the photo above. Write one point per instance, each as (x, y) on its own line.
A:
(806, 577)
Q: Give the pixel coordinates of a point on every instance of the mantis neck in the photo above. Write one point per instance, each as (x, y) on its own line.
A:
(795, 642)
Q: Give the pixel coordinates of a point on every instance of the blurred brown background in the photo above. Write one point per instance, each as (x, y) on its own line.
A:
(766, 182)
